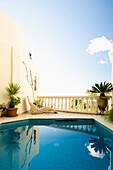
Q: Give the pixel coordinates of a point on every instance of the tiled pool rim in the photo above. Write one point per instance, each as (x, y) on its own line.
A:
(60, 116)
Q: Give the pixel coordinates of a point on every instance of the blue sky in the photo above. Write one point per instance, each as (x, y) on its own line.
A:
(59, 33)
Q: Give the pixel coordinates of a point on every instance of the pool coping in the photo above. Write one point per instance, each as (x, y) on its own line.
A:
(60, 116)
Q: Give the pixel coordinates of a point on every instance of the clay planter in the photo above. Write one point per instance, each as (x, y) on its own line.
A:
(12, 112)
(39, 106)
(102, 104)
(1, 112)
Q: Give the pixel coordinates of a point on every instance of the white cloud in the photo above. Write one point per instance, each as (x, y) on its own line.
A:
(101, 62)
(99, 45)
(93, 153)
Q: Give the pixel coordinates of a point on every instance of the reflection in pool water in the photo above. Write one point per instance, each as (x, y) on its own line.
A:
(17, 147)
(99, 147)
(66, 146)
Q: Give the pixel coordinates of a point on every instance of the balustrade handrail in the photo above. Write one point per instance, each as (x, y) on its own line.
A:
(73, 103)
(90, 96)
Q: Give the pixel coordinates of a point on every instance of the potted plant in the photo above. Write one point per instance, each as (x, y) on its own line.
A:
(38, 103)
(12, 91)
(102, 88)
(1, 109)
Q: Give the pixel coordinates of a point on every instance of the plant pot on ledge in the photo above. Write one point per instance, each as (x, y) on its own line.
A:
(102, 104)
(101, 88)
(12, 90)
(12, 112)
(1, 112)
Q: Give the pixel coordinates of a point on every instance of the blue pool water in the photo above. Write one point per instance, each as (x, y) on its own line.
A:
(56, 145)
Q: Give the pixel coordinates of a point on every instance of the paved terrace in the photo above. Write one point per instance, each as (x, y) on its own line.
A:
(61, 115)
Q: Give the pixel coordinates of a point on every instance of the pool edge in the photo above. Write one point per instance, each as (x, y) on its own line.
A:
(101, 121)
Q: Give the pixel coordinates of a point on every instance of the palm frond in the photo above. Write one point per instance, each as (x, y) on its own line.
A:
(97, 86)
(102, 88)
(94, 90)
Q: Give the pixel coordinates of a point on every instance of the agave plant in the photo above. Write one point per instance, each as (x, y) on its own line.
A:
(12, 90)
(102, 88)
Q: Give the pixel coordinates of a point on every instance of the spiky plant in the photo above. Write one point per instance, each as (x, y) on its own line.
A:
(102, 88)
(12, 90)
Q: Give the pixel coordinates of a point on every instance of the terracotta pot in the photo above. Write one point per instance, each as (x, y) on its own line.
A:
(102, 103)
(1, 112)
(12, 112)
(39, 106)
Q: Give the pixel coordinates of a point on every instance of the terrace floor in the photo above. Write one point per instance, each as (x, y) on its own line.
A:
(61, 115)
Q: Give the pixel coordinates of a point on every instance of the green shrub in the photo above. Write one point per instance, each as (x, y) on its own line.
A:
(1, 107)
(110, 115)
(15, 101)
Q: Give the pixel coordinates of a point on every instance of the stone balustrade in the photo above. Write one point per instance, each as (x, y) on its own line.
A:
(84, 104)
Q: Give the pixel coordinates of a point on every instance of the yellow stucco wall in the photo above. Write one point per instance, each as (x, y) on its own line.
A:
(13, 52)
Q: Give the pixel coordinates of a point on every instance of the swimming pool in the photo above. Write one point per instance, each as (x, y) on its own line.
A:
(56, 145)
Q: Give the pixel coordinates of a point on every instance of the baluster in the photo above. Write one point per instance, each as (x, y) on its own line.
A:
(52, 102)
(86, 104)
(92, 104)
(55, 102)
(58, 102)
(73, 103)
(45, 101)
(48, 101)
(42, 99)
(69, 103)
(66, 103)
(62, 103)
(82, 105)
(109, 104)
(78, 104)
(96, 106)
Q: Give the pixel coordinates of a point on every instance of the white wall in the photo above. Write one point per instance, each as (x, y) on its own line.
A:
(13, 51)
(30, 65)
(5, 64)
